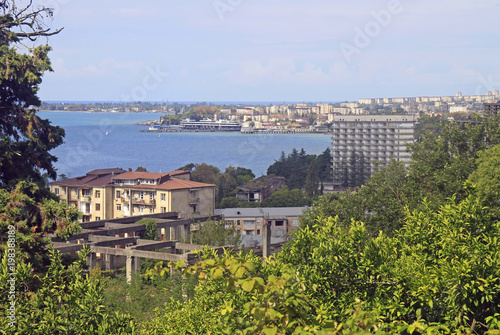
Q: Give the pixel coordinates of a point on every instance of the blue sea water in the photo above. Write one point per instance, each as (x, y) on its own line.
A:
(104, 140)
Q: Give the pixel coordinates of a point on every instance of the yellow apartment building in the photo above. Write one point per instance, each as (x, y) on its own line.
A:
(114, 193)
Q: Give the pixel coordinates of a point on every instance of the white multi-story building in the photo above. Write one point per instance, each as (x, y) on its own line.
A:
(379, 138)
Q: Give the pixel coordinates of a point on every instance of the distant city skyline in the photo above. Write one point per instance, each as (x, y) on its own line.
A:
(293, 51)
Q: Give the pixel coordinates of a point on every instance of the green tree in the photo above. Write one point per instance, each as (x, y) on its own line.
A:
(215, 233)
(188, 167)
(205, 173)
(312, 180)
(226, 186)
(325, 165)
(33, 218)
(141, 169)
(443, 158)
(26, 139)
(151, 232)
(287, 198)
(65, 301)
(486, 177)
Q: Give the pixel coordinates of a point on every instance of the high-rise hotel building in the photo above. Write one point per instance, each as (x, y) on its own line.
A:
(379, 138)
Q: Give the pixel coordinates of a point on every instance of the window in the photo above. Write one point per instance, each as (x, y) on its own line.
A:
(163, 209)
(238, 222)
(64, 189)
(97, 194)
(76, 192)
(97, 207)
(98, 218)
(141, 195)
(141, 209)
(151, 196)
(118, 194)
(118, 207)
(152, 211)
(56, 191)
(248, 222)
(279, 224)
(163, 197)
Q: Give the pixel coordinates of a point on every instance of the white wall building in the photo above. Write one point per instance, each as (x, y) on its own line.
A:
(378, 137)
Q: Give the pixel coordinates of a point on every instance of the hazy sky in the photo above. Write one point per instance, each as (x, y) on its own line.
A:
(279, 50)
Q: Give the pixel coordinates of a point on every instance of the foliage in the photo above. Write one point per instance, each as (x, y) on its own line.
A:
(287, 198)
(189, 167)
(205, 173)
(293, 168)
(151, 232)
(440, 272)
(444, 157)
(66, 301)
(234, 296)
(33, 217)
(25, 138)
(486, 177)
(141, 169)
(215, 233)
(232, 202)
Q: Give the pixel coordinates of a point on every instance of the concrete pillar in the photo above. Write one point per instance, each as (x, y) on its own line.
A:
(136, 264)
(91, 260)
(185, 230)
(129, 264)
(109, 261)
(266, 240)
(173, 235)
(159, 234)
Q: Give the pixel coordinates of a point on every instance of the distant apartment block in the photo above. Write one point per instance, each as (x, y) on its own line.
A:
(492, 107)
(260, 188)
(459, 97)
(377, 138)
(114, 193)
(250, 221)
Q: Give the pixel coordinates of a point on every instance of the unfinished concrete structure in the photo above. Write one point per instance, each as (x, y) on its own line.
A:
(114, 244)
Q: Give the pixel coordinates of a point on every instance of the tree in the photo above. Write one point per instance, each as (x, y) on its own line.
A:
(151, 232)
(26, 139)
(65, 301)
(242, 175)
(325, 165)
(312, 180)
(205, 173)
(486, 178)
(33, 218)
(141, 169)
(188, 167)
(287, 198)
(443, 159)
(215, 233)
(225, 186)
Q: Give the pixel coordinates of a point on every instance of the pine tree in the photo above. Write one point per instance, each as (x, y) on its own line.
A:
(26, 139)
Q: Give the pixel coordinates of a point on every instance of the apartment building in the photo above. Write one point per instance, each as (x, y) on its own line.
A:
(114, 193)
(250, 221)
(379, 138)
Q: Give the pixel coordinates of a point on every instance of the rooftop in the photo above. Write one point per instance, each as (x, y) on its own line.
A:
(261, 212)
(261, 183)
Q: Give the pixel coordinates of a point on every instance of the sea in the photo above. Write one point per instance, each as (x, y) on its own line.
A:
(107, 140)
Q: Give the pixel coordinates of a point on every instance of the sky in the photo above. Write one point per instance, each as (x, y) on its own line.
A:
(280, 50)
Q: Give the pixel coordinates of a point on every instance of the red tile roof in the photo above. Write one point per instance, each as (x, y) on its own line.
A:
(179, 184)
(140, 175)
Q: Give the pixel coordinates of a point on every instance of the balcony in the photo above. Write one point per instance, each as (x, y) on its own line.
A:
(136, 201)
(194, 201)
(86, 198)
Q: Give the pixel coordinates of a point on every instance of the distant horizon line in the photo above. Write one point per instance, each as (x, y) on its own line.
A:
(235, 102)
